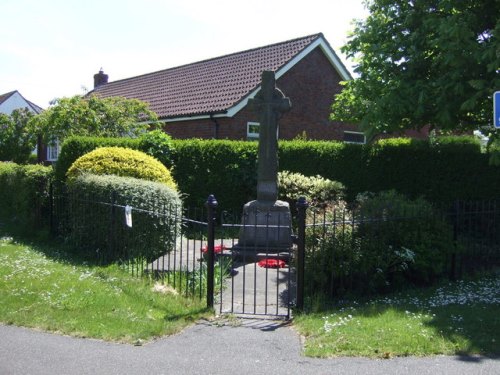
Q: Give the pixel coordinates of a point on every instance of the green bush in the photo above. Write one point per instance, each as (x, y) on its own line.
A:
(24, 193)
(337, 161)
(159, 145)
(226, 169)
(399, 229)
(95, 223)
(317, 190)
(441, 172)
(122, 162)
(74, 147)
(386, 243)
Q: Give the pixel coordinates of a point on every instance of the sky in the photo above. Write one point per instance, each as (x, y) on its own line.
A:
(51, 49)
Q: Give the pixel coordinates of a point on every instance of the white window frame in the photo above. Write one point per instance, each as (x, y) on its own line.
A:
(359, 133)
(252, 135)
(53, 150)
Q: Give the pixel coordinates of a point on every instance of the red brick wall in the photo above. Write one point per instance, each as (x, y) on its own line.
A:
(310, 85)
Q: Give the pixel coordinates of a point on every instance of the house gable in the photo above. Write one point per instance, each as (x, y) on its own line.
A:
(14, 100)
(319, 43)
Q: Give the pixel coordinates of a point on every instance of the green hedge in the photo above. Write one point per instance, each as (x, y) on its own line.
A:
(445, 169)
(94, 221)
(24, 192)
(449, 169)
(125, 162)
(227, 169)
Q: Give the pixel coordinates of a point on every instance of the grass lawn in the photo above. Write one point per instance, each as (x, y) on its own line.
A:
(42, 289)
(455, 318)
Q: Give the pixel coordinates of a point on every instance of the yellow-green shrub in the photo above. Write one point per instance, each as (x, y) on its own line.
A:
(123, 162)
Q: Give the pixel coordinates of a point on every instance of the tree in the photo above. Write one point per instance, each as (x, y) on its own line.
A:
(16, 142)
(425, 62)
(93, 116)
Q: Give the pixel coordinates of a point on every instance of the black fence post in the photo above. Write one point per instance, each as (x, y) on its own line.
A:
(51, 209)
(112, 228)
(453, 269)
(301, 249)
(211, 205)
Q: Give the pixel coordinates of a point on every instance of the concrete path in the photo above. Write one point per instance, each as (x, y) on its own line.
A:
(256, 290)
(219, 347)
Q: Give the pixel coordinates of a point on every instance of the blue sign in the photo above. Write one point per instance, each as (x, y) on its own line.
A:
(496, 109)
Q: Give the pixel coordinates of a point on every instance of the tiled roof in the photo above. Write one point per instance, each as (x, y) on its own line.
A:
(36, 109)
(4, 97)
(209, 86)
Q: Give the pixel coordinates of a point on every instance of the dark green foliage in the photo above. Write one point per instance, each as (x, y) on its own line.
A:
(386, 243)
(24, 191)
(158, 144)
(93, 116)
(333, 160)
(95, 223)
(443, 170)
(226, 169)
(420, 63)
(16, 142)
(440, 172)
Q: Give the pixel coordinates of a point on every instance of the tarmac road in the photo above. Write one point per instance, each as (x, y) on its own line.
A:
(232, 346)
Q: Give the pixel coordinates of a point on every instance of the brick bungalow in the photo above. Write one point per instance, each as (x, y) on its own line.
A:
(208, 99)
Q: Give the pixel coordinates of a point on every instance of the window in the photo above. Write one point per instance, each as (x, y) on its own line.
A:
(253, 130)
(354, 137)
(53, 150)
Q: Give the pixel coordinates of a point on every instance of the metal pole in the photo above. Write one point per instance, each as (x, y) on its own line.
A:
(51, 209)
(211, 205)
(301, 249)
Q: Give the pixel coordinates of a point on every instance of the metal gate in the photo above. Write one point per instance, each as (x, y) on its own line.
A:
(208, 262)
(248, 280)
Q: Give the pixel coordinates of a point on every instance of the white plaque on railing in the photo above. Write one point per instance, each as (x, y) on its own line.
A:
(128, 216)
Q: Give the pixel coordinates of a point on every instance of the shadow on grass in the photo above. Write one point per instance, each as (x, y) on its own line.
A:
(473, 328)
(42, 242)
(53, 248)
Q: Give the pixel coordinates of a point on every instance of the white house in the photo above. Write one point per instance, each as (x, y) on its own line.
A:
(14, 100)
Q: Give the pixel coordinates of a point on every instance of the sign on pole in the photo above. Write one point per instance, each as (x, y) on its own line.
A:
(496, 109)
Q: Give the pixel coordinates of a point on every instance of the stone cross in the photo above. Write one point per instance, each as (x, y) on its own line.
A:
(270, 104)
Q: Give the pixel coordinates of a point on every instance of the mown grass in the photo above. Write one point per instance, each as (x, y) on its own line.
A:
(44, 289)
(455, 318)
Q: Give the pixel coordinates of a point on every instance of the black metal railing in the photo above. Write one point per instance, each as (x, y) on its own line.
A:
(345, 251)
(336, 251)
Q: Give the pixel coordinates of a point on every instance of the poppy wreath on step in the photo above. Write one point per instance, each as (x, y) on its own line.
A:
(272, 263)
(218, 249)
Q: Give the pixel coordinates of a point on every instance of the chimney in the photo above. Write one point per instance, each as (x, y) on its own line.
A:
(100, 78)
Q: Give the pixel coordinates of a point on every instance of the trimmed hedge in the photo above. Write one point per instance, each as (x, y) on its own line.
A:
(227, 169)
(95, 223)
(123, 162)
(24, 193)
(74, 147)
(443, 170)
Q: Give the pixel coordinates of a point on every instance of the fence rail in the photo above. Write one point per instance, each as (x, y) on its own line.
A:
(372, 251)
(337, 251)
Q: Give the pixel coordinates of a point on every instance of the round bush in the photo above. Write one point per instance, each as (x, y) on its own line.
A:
(96, 226)
(122, 162)
(317, 190)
